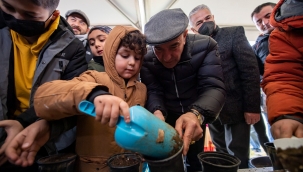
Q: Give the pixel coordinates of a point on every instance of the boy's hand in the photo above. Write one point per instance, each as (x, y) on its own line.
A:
(108, 109)
(159, 114)
(286, 128)
(12, 128)
(23, 148)
(188, 127)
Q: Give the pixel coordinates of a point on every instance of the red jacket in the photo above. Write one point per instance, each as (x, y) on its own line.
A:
(283, 76)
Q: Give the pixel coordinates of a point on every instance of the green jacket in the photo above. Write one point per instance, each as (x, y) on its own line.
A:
(92, 65)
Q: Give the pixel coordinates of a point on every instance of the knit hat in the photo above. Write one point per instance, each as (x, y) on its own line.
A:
(103, 28)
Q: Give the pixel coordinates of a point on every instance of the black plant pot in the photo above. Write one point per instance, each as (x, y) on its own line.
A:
(218, 162)
(271, 152)
(171, 164)
(59, 163)
(124, 162)
(260, 162)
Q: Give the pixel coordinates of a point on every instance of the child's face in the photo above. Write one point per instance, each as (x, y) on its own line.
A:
(96, 42)
(25, 10)
(127, 62)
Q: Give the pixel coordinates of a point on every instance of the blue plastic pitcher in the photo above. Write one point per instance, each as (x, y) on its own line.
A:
(145, 134)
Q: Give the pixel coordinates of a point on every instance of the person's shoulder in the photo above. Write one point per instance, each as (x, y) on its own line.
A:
(200, 42)
(232, 29)
(75, 45)
(4, 31)
(92, 65)
(97, 74)
(262, 38)
(92, 62)
(63, 30)
(141, 87)
(70, 47)
(65, 24)
(231, 32)
(198, 39)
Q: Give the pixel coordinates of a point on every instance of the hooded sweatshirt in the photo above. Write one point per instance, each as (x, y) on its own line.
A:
(59, 99)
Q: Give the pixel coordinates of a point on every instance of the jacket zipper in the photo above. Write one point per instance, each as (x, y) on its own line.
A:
(176, 88)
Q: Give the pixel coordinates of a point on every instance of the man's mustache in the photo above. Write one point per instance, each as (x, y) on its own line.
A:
(76, 27)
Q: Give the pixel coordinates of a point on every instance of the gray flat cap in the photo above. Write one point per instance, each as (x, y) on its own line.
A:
(165, 26)
(81, 13)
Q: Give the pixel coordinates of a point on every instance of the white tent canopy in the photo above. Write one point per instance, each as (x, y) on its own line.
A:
(137, 12)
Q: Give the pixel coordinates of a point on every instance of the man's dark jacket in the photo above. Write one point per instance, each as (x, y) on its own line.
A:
(241, 74)
(196, 82)
(261, 51)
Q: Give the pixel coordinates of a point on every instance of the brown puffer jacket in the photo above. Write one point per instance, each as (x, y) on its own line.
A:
(59, 99)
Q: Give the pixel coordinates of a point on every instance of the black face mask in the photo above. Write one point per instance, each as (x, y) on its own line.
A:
(27, 28)
(2, 24)
(207, 28)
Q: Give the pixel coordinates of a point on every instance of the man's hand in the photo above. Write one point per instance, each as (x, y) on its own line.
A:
(286, 128)
(251, 118)
(23, 148)
(188, 123)
(108, 108)
(159, 115)
(12, 128)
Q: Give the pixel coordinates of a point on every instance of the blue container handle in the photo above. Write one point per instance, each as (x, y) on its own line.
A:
(87, 107)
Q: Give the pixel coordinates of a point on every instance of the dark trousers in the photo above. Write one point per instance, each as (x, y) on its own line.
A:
(194, 149)
(192, 155)
(232, 139)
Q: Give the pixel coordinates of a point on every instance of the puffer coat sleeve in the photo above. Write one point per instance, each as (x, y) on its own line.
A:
(210, 85)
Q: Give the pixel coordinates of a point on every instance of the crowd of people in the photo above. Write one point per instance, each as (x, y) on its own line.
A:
(49, 64)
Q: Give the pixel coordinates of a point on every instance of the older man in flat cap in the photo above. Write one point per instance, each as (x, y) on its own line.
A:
(183, 76)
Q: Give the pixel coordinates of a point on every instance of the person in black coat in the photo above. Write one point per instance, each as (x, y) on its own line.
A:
(231, 132)
(183, 76)
(260, 16)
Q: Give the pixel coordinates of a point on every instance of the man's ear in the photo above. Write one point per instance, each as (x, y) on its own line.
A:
(192, 29)
(184, 36)
(87, 29)
(55, 14)
(185, 33)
